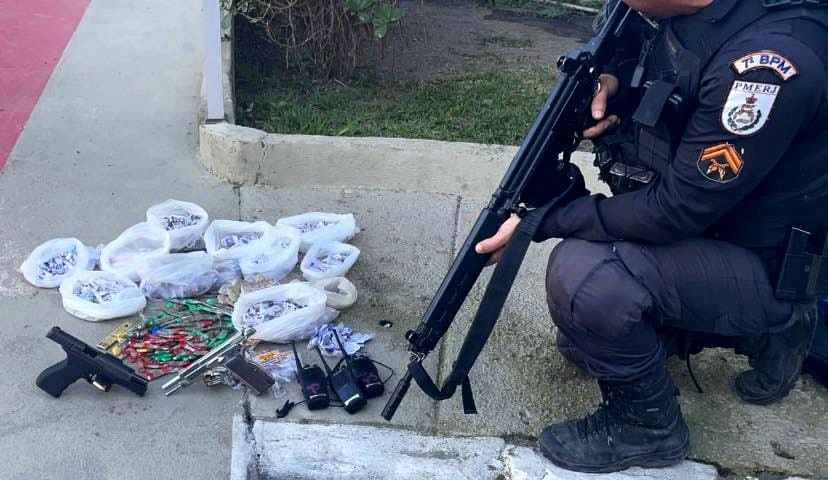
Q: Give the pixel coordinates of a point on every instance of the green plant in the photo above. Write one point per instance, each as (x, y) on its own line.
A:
(379, 14)
(319, 37)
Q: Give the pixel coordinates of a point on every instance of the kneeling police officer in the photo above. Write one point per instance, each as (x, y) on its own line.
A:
(712, 132)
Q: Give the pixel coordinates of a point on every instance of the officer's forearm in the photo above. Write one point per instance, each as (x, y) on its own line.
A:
(581, 218)
(636, 216)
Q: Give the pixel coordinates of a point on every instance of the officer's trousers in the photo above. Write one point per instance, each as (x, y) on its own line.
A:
(610, 301)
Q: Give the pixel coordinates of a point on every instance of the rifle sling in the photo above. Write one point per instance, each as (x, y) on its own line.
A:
(487, 314)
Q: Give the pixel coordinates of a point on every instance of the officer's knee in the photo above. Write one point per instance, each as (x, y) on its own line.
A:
(564, 256)
(589, 292)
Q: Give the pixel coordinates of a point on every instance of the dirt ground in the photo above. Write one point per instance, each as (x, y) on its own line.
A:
(439, 38)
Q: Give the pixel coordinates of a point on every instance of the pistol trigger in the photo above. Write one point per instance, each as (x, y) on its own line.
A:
(100, 384)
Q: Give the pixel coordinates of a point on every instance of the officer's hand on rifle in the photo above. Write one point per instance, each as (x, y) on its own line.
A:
(607, 87)
(497, 243)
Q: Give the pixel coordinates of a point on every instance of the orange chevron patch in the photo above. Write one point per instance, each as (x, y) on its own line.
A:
(720, 163)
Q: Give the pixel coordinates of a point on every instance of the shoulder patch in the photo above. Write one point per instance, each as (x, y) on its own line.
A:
(766, 59)
(748, 106)
(720, 163)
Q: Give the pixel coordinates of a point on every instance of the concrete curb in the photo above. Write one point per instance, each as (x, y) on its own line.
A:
(244, 155)
(280, 450)
(248, 156)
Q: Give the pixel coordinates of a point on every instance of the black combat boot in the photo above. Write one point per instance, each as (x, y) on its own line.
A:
(776, 359)
(637, 424)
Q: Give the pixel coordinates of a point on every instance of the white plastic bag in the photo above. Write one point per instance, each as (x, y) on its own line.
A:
(277, 260)
(281, 313)
(94, 256)
(232, 240)
(227, 271)
(136, 243)
(99, 295)
(178, 275)
(322, 227)
(340, 291)
(56, 260)
(185, 221)
(328, 259)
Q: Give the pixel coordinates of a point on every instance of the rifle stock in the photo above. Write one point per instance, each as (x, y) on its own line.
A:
(537, 175)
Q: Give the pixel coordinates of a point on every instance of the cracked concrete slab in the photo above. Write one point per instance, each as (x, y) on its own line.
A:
(299, 451)
(112, 134)
(406, 243)
(98, 435)
(522, 383)
(524, 463)
(115, 132)
(787, 437)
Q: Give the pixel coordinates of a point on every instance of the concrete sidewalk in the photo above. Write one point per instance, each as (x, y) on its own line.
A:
(114, 133)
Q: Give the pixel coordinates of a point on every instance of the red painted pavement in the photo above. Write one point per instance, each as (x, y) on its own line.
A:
(33, 34)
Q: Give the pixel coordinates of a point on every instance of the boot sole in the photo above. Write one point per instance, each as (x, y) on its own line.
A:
(659, 460)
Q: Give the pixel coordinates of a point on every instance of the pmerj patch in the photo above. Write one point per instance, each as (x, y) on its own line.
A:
(748, 107)
(768, 60)
(720, 163)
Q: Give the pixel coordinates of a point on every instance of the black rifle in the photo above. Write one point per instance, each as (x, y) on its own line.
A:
(83, 361)
(539, 178)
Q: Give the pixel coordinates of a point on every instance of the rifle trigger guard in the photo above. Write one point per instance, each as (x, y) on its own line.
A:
(520, 211)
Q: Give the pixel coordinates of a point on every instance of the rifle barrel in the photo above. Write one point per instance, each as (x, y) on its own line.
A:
(396, 397)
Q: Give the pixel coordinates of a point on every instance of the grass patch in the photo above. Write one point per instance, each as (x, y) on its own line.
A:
(503, 41)
(495, 106)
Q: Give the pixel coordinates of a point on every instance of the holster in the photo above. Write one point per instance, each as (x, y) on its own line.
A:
(801, 274)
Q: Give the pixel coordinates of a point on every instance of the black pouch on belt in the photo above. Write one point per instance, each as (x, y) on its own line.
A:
(802, 274)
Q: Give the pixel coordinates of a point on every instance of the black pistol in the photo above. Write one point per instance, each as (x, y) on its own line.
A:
(311, 379)
(364, 371)
(99, 368)
(345, 386)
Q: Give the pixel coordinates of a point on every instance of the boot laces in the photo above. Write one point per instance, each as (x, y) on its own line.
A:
(607, 416)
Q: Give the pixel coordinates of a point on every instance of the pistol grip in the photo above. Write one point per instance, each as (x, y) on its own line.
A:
(56, 378)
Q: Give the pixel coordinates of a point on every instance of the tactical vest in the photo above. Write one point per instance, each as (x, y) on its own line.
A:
(668, 73)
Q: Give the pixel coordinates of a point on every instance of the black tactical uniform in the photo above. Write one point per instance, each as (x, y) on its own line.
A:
(724, 151)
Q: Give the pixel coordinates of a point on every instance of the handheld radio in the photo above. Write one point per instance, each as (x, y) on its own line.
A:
(312, 380)
(345, 386)
(364, 371)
